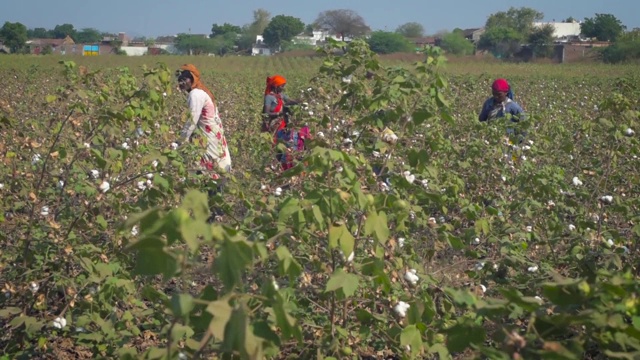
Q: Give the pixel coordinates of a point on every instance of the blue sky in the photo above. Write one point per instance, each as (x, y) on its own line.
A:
(169, 17)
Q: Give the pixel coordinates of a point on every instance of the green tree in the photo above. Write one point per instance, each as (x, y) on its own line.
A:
(224, 44)
(261, 18)
(282, 28)
(570, 19)
(541, 41)
(502, 41)
(14, 35)
(88, 36)
(455, 43)
(384, 42)
(518, 19)
(626, 47)
(604, 27)
(224, 29)
(64, 30)
(308, 30)
(343, 22)
(39, 33)
(194, 44)
(411, 30)
(505, 31)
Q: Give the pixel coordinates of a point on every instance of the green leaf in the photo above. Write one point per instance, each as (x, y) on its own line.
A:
(340, 280)
(10, 311)
(340, 236)
(221, 311)
(51, 98)
(181, 305)
(410, 336)
(288, 265)
(376, 225)
(233, 257)
(464, 334)
(100, 220)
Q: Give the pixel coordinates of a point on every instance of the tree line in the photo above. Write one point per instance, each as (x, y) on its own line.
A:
(505, 33)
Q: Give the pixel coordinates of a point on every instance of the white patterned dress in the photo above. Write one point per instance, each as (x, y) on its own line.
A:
(205, 116)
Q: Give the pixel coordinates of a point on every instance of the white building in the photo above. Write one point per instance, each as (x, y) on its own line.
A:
(562, 30)
(260, 48)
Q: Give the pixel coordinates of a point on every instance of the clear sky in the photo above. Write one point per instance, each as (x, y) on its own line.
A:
(169, 17)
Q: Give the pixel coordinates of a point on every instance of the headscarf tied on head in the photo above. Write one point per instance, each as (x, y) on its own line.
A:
(197, 83)
(500, 85)
(273, 82)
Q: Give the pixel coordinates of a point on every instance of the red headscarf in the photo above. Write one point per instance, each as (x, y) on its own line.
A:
(500, 85)
(197, 83)
(273, 82)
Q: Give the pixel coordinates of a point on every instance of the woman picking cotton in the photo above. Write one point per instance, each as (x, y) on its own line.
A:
(204, 116)
(275, 121)
(502, 106)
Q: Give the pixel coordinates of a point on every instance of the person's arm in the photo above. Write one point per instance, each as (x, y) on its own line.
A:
(516, 111)
(195, 103)
(484, 113)
(289, 101)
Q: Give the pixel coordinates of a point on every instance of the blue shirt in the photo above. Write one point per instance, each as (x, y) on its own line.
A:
(492, 110)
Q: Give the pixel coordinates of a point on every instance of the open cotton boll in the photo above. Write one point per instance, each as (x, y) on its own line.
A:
(576, 181)
(401, 242)
(33, 287)
(572, 227)
(278, 192)
(135, 230)
(125, 145)
(608, 199)
(94, 174)
(411, 276)
(401, 308)
(59, 323)
(104, 187)
(174, 145)
(532, 269)
(629, 132)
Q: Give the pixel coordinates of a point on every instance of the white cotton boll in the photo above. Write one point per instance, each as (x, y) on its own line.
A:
(87, 145)
(610, 242)
(529, 228)
(104, 187)
(626, 249)
(135, 230)
(550, 203)
(149, 176)
(410, 178)
(94, 174)
(263, 187)
(484, 288)
(401, 242)
(576, 181)
(35, 159)
(340, 169)
(572, 227)
(401, 308)
(476, 241)
(33, 287)
(375, 154)
(164, 94)
(411, 277)
(629, 132)
(526, 147)
(530, 142)
(425, 183)
(60, 184)
(59, 322)
(504, 178)
(125, 145)
(523, 158)
(320, 134)
(141, 185)
(532, 269)
(347, 142)
(275, 285)
(540, 301)
(174, 145)
(351, 257)
(384, 186)
(310, 113)
(479, 266)
(149, 183)
(44, 211)
(442, 220)
(1, 186)
(607, 199)
(278, 191)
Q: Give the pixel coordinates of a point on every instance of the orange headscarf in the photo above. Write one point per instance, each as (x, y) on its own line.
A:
(273, 82)
(197, 83)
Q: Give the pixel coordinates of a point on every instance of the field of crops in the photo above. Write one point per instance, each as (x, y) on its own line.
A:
(448, 240)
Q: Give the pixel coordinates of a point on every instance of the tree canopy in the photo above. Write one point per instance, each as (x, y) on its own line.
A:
(411, 30)
(224, 29)
(14, 35)
(604, 27)
(282, 28)
(505, 31)
(383, 42)
(455, 43)
(346, 23)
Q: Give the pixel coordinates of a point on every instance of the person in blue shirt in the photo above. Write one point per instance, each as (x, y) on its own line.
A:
(501, 104)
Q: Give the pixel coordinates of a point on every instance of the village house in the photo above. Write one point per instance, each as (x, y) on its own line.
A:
(473, 34)
(563, 31)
